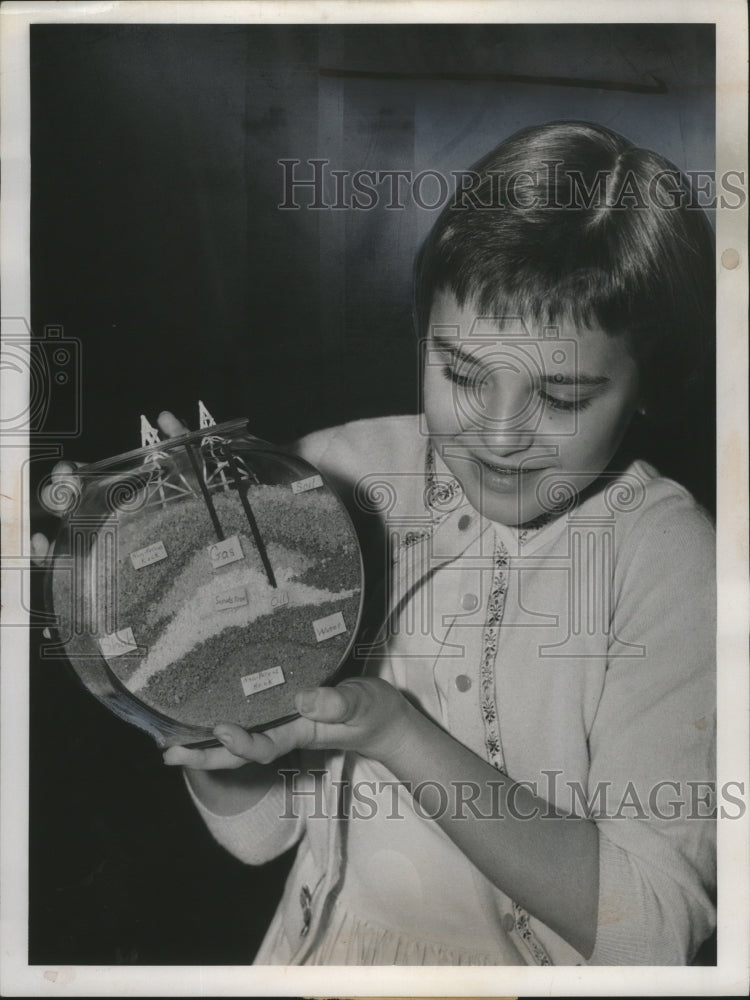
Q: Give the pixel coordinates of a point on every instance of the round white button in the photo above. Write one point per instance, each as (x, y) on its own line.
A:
(469, 602)
(463, 682)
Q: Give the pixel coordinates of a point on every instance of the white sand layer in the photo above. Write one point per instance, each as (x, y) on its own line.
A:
(286, 563)
(197, 618)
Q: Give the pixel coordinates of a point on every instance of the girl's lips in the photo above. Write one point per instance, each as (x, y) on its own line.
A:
(505, 478)
(505, 470)
(508, 470)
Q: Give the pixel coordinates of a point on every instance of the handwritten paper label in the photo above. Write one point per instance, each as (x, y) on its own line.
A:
(118, 643)
(253, 683)
(278, 599)
(236, 597)
(150, 554)
(327, 627)
(303, 485)
(226, 552)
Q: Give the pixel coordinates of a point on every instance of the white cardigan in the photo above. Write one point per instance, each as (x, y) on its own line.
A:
(579, 657)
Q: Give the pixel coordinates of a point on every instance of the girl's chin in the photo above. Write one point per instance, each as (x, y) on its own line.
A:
(506, 507)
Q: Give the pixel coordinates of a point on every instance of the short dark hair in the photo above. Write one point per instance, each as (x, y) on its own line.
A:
(572, 219)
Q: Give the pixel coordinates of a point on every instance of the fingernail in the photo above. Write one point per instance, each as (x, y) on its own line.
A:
(224, 736)
(306, 700)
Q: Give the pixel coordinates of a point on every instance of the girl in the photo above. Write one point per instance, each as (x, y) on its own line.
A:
(523, 772)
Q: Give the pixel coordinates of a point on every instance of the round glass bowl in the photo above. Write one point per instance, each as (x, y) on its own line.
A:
(204, 579)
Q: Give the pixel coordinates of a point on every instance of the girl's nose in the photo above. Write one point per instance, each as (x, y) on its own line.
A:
(507, 413)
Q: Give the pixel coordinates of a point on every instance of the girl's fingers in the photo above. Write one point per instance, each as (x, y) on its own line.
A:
(211, 759)
(240, 747)
(64, 468)
(61, 488)
(40, 548)
(263, 748)
(170, 425)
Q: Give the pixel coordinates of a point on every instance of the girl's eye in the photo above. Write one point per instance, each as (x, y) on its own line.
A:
(466, 381)
(565, 405)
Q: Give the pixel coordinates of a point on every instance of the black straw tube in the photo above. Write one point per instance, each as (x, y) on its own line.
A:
(204, 490)
(242, 492)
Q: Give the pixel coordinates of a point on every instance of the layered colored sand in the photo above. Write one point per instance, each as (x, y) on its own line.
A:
(217, 642)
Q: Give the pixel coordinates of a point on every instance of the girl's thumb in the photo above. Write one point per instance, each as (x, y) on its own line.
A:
(324, 705)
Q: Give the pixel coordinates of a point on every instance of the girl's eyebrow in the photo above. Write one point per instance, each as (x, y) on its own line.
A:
(579, 378)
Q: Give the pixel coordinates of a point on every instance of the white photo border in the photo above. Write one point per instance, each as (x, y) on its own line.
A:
(730, 976)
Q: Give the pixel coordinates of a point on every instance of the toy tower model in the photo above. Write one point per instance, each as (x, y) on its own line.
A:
(215, 463)
(161, 486)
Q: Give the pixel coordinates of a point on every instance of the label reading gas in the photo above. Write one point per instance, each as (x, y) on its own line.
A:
(118, 643)
(303, 485)
(236, 597)
(253, 683)
(326, 628)
(149, 554)
(226, 552)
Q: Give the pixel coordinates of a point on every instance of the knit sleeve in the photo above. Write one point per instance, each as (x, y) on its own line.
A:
(277, 822)
(340, 453)
(346, 453)
(256, 835)
(651, 780)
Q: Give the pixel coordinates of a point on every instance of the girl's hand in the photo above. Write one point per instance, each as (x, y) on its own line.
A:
(64, 484)
(364, 714)
(56, 496)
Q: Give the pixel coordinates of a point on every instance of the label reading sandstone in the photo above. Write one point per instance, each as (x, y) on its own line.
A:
(253, 683)
(303, 485)
(118, 643)
(326, 628)
(235, 597)
(149, 554)
(226, 552)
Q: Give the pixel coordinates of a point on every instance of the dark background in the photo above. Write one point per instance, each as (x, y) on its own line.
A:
(157, 242)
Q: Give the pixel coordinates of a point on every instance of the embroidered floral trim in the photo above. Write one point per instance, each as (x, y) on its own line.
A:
(495, 609)
(523, 927)
(441, 497)
(533, 527)
(412, 537)
(492, 741)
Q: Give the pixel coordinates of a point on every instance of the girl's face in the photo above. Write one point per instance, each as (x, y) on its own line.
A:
(523, 417)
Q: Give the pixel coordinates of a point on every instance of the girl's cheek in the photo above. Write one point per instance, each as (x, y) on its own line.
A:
(598, 439)
(440, 405)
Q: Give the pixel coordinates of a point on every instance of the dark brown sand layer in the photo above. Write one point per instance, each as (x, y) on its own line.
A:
(205, 687)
